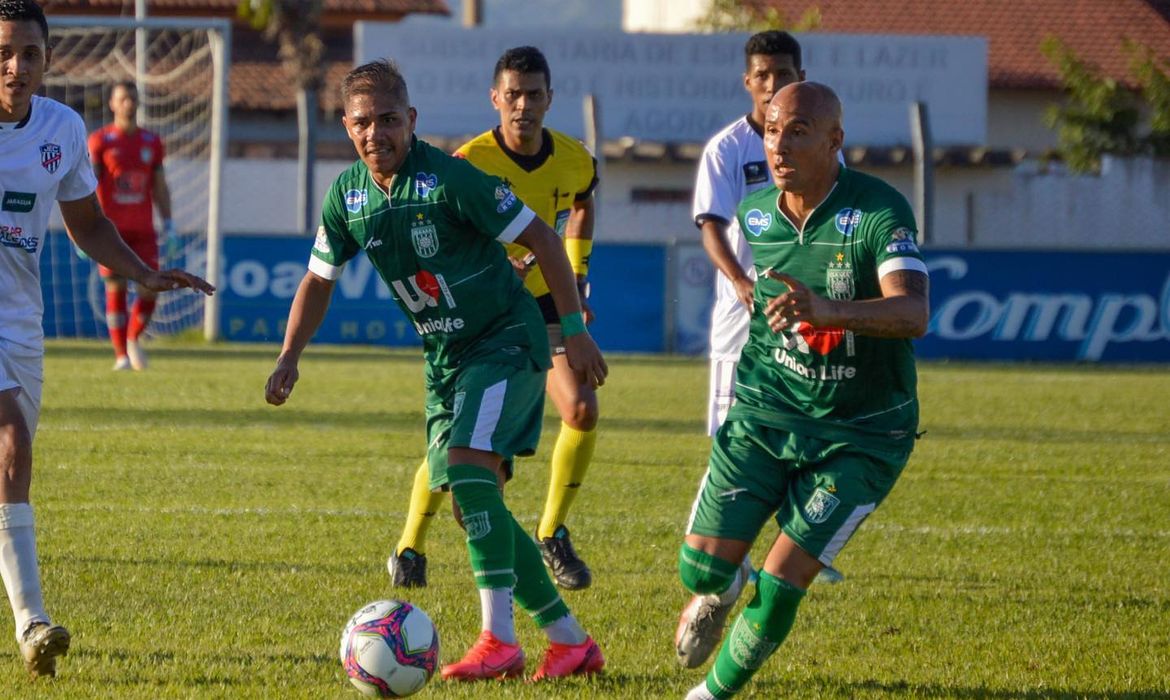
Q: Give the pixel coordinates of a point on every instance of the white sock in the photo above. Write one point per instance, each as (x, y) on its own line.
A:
(736, 587)
(495, 606)
(18, 565)
(700, 692)
(566, 631)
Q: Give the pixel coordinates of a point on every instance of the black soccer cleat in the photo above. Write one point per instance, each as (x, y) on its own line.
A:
(408, 569)
(567, 568)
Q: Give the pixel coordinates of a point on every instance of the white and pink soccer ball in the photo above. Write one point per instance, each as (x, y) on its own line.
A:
(390, 649)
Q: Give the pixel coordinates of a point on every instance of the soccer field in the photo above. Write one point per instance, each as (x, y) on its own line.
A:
(200, 543)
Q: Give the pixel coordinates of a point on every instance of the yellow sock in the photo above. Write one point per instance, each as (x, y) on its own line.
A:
(424, 503)
(570, 461)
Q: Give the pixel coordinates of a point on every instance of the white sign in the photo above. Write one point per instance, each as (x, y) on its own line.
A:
(684, 87)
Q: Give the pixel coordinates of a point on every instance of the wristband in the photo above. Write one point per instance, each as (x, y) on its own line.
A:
(572, 324)
(579, 250)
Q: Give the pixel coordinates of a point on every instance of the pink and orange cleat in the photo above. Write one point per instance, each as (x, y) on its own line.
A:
(570, 660)
(487, 658)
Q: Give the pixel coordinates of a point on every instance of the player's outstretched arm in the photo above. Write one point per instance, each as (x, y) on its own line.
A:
(581, 351)
(97, 237)
(304, 318)
(903, 310)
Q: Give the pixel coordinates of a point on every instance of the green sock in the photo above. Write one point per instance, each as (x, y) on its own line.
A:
(488, 525)
(758, 631)
(535, 592)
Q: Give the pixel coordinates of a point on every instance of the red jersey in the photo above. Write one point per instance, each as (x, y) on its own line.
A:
(126, 164)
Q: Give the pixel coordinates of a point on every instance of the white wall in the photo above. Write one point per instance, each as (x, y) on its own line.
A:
(662, 15)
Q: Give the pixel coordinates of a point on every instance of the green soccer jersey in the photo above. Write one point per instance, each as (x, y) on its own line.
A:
(434, 238)
(828, 382)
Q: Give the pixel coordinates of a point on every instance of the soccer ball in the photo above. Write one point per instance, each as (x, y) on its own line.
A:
(390, 649)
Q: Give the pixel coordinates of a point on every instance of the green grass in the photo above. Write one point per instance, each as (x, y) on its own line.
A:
(199, 543)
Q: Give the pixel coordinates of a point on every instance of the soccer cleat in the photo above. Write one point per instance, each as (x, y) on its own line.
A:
(136, 354)
(122, 363)
(40, 645)
(487, 658)
(567, 568)
(700, 626)
(408, 569)
(570, 660)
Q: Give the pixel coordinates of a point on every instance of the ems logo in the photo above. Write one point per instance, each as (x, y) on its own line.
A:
(425, 240)
(321, 244)
(839, 283)
(820, 506)
(425, 183)
(749, 648)
(460, 397)
(51, 157)
(147, 154)
(847, 220)
(505, 197)
(355, 200)
(477, 525)
(757, 221)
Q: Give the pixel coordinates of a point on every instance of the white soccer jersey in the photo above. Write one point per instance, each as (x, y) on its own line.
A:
(43, 159)
(732, 167)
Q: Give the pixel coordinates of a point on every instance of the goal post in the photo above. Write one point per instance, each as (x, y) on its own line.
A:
(184, 99)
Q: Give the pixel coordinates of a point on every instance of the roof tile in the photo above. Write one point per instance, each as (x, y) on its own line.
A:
(1095, 30)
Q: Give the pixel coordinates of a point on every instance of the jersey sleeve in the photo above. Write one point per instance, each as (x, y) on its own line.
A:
(714, 188)
(79, 181)
(893, 238)
(588, 176)
(333, 246)
(488, 204)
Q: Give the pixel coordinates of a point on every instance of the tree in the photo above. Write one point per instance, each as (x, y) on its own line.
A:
(1103, 116)
(295, 26)
(753, 16)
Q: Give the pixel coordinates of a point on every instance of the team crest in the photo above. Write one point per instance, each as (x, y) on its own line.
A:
(748, 646)
(846, 220)
(820, 506)
(839, 283)
(147, 154)
(51, 157)
(425, 183)
(477, 525)
(425, 240)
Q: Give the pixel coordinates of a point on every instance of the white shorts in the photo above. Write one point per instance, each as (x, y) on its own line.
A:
(722, 393)
(26, 375)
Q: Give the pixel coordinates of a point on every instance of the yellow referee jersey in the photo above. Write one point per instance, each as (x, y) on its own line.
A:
(549, 182)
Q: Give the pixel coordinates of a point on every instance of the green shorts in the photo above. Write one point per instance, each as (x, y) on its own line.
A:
(491, 407)
(819, 491)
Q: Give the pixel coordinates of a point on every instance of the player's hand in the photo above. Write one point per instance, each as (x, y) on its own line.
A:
(521, 266)
(585, 360)
(745, 291)
(167, 280)
(280, 383)
(799, 303)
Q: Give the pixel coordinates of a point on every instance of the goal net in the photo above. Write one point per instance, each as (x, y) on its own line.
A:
(179, 66)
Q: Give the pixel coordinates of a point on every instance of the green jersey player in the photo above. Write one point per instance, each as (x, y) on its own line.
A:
(432, 226)
(825, 408)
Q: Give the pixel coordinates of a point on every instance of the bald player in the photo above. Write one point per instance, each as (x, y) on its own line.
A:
(826, 406)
